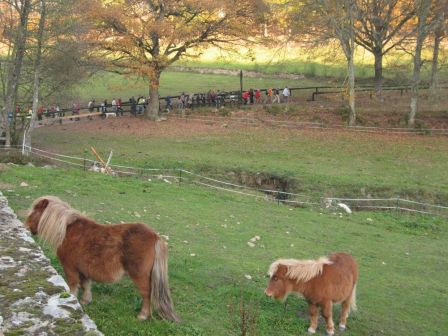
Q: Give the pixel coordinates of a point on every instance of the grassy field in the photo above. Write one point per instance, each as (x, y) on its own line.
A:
(319, 163)
(402, 287)
(402, 258)
(323, 61)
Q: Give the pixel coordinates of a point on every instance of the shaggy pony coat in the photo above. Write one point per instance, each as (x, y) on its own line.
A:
(104, 253)
(322, 282)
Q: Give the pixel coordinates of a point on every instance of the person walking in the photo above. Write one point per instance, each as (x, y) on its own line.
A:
(257, 96)
(114, 106)
(104, 106)
(182, 102)
(245, 97)
(75, 110)
(141, 105)
(269, 96)
(91, 105)
(119, 107)
(276, 96)
(286, 94)
(168, 104)
(133, 106)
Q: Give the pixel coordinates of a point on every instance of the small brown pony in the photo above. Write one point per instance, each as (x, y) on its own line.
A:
(322, 282)
(104, 253)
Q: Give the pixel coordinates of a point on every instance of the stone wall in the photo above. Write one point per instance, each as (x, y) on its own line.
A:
(34, 298)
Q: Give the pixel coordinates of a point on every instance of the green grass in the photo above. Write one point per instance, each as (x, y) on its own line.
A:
(318, 62)
(402, 286)
(318, 163)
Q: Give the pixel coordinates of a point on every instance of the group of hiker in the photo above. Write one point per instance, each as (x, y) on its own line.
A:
(272, 96)
(137, 105)
(184, 101)
(191, 100)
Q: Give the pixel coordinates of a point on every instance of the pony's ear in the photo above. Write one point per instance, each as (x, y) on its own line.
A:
(41, 205)
(281, 270)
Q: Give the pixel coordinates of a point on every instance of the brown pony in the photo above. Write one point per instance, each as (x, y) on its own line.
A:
(104, 253)
(322, 282)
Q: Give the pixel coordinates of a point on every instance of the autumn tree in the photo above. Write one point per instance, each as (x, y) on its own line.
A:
(146, 37)
(380, 28)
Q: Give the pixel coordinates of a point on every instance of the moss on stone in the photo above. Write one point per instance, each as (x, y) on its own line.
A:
(25, 289)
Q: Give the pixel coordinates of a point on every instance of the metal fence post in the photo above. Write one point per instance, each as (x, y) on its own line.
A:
(241, 87)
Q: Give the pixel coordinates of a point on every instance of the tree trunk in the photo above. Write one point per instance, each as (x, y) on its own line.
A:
(351, 90)
(439, 31)
(378, 53)
(348, 43)
(435, 64)
(422, 33)
(415, 85)
(15, 71)
(152, 111)
(40, 36)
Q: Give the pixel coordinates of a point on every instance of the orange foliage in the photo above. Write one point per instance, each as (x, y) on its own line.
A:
(145, 37)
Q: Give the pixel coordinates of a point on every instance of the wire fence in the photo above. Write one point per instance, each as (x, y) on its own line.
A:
(253, 122)
(179, 176)
(232, 98)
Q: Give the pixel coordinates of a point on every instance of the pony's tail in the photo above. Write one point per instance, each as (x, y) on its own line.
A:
(353, 299)
(160, 290)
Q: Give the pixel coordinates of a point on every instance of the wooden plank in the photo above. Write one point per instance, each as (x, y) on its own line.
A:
(83, 115)
(106, 167)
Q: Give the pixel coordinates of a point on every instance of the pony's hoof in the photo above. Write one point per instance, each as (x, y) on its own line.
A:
(330, 332)
(311, 330)
(142, 317)
(342, 327)
(85, 302)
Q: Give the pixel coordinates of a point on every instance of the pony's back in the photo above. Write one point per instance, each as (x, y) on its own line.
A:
(343, 264)
(338, 279)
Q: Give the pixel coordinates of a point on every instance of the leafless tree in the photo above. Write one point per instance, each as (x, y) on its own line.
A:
(14, 68)
(335, 19)
(380, 28)
(37, 71)
(439, 33)
(423, 27)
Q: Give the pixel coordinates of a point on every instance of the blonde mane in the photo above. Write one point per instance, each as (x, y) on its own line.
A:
(54, 220)
(300, 270)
